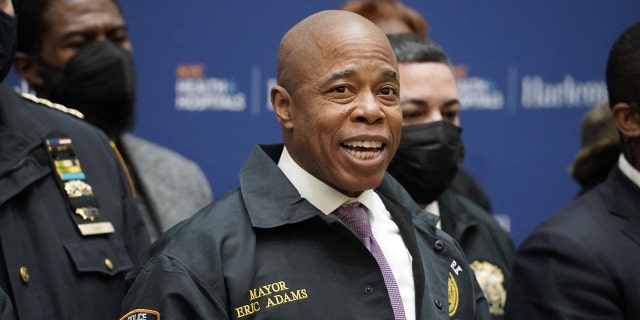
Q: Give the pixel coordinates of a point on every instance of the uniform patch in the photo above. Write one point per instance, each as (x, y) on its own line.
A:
(83, 205)
(454, 295)
(491, 280)
(141, 314)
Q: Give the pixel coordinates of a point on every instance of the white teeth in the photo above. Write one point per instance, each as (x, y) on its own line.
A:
(364, 144)
(364, 154)
(372, 148)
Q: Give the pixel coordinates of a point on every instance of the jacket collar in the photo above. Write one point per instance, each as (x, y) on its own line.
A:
(622, 198)
(267, 189)
(456, 218)
(270, 198)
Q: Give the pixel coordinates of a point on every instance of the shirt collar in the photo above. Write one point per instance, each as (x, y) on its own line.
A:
(318, 193)
(632, 173)
(434, 208)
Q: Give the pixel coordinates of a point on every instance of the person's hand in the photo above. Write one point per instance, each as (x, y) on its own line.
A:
(7, 6)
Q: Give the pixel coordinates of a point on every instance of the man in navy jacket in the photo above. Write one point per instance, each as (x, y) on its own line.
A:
(274, 249)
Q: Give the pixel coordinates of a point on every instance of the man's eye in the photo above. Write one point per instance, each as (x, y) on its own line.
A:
(389, 91)
(340, 89)
(450, 115)
(119, 40)
(118, 36)
(409, 115)
(76, 43)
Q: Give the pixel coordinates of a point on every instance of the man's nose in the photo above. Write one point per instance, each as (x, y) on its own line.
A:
(368, 109)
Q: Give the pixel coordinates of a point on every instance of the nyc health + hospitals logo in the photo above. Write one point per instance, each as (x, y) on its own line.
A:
(195, 92)
(526, 91)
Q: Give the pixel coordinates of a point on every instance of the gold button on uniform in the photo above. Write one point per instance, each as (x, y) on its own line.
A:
(108, 263)
(24, 274)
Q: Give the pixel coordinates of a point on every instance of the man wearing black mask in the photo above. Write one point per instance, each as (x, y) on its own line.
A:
(427, 161)
(68, 228)
(78, 53)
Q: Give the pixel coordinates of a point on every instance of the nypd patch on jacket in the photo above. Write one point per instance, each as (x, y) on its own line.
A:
(263, 252)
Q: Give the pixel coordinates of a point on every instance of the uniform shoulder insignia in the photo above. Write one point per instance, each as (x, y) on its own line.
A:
(52, 105)
(491, 280)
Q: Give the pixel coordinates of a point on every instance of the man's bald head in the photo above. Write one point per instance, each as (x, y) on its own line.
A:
(337, 100)
(301, 47)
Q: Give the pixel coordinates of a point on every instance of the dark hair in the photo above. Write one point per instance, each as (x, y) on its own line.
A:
(411, 47)
(623, 68)
(388, 9)
(30, 23)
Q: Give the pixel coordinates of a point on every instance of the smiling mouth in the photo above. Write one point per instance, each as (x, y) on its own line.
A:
(363, 149)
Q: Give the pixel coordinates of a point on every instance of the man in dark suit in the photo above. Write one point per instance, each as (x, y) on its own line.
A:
(582, 263)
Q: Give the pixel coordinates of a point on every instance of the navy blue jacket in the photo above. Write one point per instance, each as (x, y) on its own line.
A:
(263, 252)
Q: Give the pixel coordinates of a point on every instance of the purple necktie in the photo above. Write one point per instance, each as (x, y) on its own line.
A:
(357, 220)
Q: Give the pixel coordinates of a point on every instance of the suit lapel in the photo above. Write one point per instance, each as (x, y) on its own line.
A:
(624, 200)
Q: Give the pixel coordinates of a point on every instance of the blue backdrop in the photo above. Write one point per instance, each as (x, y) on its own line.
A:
(528, 71)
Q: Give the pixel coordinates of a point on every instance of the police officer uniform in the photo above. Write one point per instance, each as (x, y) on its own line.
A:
(263, 252)
(486, 245)
(467, 186)
(66, 243)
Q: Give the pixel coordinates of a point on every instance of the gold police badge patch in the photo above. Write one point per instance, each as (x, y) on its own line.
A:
(491, 280)
(454, 296)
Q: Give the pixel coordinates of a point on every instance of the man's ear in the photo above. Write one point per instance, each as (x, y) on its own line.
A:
(281, 101)
(27, 66)
(627, 119)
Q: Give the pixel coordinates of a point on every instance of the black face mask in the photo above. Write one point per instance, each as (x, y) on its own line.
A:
(8, 42)
(427, 159)
(99, 81)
